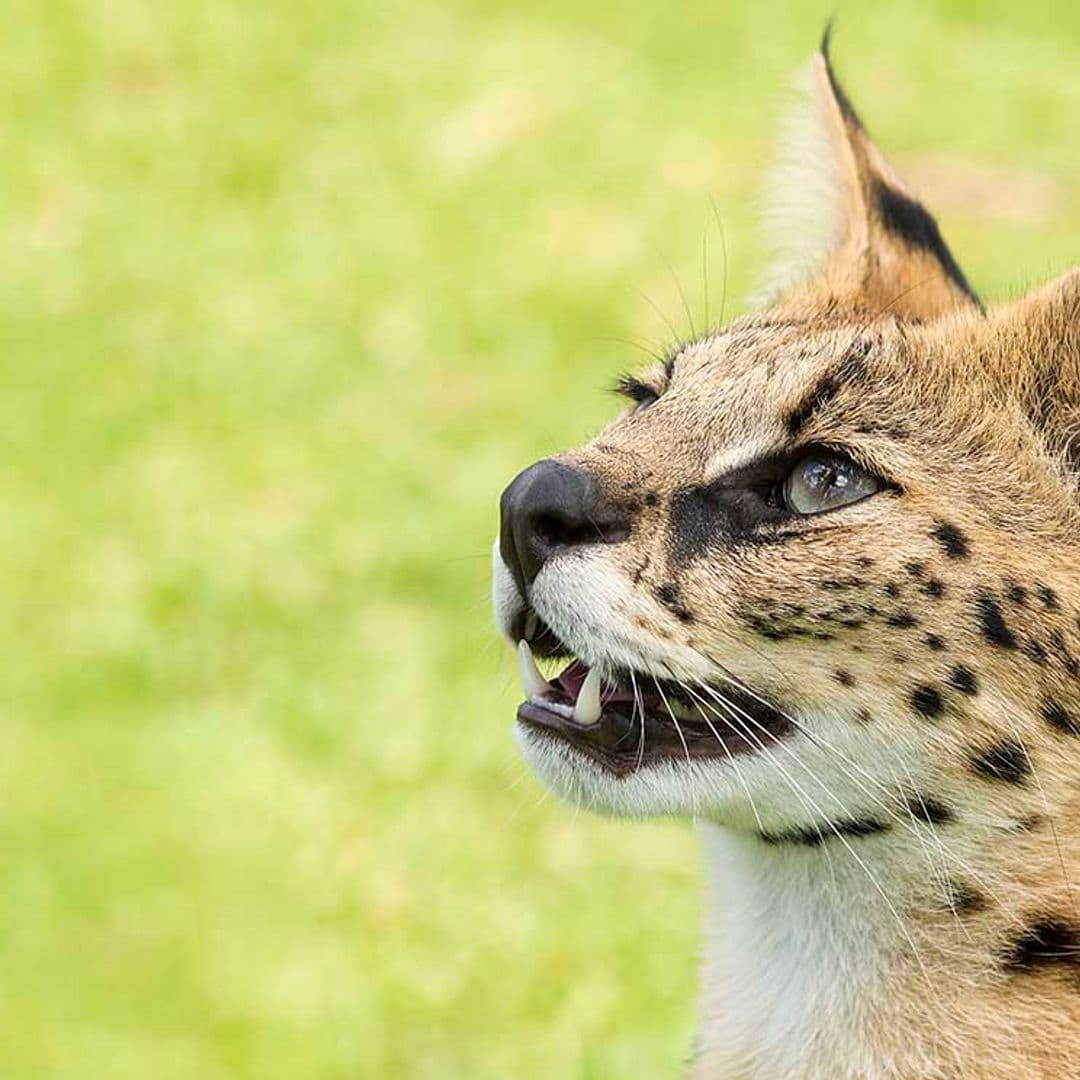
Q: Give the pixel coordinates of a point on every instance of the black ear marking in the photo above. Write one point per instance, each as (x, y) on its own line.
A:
(912, 224)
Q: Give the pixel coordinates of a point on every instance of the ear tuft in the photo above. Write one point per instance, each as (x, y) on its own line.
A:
(840, 221)
(801, 218)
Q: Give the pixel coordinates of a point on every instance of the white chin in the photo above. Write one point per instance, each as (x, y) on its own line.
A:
(701, 789)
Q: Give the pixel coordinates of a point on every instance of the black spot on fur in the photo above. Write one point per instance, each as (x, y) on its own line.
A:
(929, 810)
(668, 595)
(815, 836)
(651, 499)
(1035, 650)
(844, 678)
(1048, 942)
(892, 589)
(935, 588)
(912, 224)
(964, 679)
(953, 542)
(902, 619)
(934, 642)
(864, 716)
(1048, 597)
(926, 701)
(1057, 716)
(1016, 593)
(1006, 761)
(840, 584)
(965, 899)
(992, 622)
(1027, 824)
(1061, 649)
(915, 568)
(865, 561)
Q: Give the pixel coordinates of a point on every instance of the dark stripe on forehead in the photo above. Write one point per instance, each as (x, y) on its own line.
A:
(850, 367)
(912, 224)
(821, 393)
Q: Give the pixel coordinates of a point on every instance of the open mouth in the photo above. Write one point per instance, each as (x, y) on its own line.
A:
(627, 720)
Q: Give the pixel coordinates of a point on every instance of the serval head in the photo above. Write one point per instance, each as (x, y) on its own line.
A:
(818, 584)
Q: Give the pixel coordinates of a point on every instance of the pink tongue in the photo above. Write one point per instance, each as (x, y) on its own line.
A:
(571, 679)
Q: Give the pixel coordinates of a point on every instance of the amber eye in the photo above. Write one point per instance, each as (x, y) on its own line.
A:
(821, 482)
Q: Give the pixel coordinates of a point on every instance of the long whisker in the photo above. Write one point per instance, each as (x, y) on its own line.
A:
(855, 855)
(816, 812)
(723, 246)
(730, 756)
(633, 715)
(679, 731)
(682, 295)
(1046, 808)
(911, 827)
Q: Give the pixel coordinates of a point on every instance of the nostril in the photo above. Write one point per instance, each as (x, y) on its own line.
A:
(557, 531)
(554, 530)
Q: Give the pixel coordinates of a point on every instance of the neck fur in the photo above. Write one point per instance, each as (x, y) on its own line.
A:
(827, 963)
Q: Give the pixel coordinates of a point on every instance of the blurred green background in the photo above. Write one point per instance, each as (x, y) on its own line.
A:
(290, 291)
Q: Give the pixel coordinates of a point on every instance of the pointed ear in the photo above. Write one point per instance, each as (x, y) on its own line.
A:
(1034, 346)
(844, 226)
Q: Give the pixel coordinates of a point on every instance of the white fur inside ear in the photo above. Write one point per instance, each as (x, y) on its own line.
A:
(803, 194)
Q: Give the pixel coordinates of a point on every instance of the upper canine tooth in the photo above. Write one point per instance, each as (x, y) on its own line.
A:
(533, 683)
(587, 708)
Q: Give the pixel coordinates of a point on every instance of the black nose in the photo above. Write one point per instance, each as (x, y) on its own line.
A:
(549, 508)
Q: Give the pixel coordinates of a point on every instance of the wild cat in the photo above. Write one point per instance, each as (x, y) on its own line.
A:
(817, 587)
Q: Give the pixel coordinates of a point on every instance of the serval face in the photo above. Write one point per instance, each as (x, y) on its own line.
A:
(819, 577)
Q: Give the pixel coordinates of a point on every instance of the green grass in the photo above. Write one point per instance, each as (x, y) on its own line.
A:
(290, 292)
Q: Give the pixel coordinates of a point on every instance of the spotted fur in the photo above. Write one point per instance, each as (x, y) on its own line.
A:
(894, 884)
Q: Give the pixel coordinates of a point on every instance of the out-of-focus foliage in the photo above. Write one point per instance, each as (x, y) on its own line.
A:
(289, 292)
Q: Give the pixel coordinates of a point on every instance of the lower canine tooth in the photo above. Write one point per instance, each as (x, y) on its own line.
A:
(587, 708)
(532, 682)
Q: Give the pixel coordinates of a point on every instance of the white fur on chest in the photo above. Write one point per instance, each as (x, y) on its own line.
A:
(795, 963)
